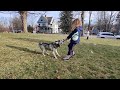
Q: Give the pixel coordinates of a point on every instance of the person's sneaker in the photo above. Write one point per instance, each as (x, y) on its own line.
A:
(67, 57)
(73, 53)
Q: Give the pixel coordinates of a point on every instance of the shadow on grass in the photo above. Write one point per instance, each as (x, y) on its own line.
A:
(24, 49)
(31, 40)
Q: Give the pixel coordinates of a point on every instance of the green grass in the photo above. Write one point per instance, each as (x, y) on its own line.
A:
(21, 58)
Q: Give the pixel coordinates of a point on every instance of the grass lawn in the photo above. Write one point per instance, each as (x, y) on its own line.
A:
(21, 58)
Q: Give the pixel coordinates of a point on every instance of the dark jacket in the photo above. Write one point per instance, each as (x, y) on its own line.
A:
(75, 35)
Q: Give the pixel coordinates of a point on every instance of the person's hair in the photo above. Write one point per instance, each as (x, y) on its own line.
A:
(76, 23)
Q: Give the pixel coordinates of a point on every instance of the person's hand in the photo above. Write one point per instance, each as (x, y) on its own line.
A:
(65, 39)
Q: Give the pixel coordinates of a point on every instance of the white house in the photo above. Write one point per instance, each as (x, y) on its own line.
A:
(54, 27)
(47, 25)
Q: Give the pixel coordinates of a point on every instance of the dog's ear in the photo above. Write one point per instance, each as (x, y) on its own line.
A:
(56, 42)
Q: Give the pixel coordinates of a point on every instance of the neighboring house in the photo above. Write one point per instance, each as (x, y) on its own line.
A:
(54, 27)
(95, 31)
(47, 25)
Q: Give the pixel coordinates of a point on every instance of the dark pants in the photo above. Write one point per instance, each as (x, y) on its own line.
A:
(70, 48)
(87, 37)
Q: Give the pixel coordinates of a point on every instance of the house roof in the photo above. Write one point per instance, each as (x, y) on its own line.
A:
(46, 19)
(42, 19)
(49, 19)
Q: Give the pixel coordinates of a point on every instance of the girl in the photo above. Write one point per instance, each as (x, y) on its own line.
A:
(76, 28)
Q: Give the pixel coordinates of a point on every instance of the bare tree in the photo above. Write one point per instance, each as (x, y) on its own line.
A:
(77, 14)
(105, 20)
(111, 14)
(24, 18)
(32, 19)
(90, 13)
(23, 15)
(118, 23)
(4, 25)
(111, 19)
(4, 21)
(16, 23)
(82, 19)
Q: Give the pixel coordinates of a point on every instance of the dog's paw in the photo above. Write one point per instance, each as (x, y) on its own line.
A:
(44, 55)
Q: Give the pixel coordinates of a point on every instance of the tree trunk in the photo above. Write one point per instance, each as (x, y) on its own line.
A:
(90, 13)
(24, 20)
(104, 14)
(82, 19)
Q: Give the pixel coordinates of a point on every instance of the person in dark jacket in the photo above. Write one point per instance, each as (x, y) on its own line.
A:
(76, 28)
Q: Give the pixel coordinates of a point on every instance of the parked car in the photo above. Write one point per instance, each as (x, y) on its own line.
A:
(107, 35)
(117, 36)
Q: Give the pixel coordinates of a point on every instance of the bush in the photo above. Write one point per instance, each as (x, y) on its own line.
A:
(4, 29)
(30, 29)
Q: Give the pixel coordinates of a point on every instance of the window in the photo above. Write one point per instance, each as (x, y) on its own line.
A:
(108, 34)
(111, 34)
(43, 24)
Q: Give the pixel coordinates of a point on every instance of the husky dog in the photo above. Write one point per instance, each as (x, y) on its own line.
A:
(51, 47)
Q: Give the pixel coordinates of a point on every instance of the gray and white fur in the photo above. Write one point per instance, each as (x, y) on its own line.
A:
(51, 47)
